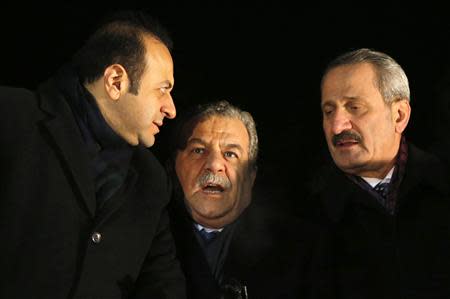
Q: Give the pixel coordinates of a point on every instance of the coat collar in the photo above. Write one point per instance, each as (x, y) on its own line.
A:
(336, 191)
(67, 140)
(425, 171)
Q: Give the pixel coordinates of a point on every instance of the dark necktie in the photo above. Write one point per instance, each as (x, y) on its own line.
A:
(382, 188)
(208, 237)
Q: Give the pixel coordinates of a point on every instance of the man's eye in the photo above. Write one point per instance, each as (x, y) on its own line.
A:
(163, 89)
(230, 155)
(198, 150)
(327, 111)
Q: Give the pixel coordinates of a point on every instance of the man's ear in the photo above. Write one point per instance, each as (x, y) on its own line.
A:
(401, 112)
(116, 81)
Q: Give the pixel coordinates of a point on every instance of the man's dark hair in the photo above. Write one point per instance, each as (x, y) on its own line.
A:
(119, 39)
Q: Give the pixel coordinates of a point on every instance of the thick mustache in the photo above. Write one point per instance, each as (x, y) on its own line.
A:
(210, 178)
(346, 135)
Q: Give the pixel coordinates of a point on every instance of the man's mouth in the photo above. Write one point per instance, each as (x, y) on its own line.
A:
(346, 139)
(213, 188)
(346, 143)
(157, 126)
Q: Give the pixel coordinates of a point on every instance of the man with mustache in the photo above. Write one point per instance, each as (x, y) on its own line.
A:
(387, 203)
(227, 247)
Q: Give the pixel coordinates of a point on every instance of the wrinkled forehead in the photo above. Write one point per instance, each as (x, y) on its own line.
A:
(220, 127)
(352, 81)
(215, 128)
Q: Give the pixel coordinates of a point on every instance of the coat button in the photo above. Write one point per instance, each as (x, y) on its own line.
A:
(96, 237)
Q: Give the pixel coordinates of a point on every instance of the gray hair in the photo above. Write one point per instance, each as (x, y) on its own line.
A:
(391, 80)
(223, 109)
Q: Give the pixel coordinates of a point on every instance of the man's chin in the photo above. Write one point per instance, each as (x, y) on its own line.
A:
(211, 221)
(350, 167)
(148, 141)
(212, 214)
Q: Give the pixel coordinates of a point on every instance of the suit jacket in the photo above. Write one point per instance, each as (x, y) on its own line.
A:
(55, 244)
(269, 253)
(373, 254)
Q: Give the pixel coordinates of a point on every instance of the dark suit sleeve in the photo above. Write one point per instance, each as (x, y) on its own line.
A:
(161, 275)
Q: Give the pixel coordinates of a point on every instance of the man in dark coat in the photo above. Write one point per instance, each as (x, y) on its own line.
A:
(386, 202)
(82, 200)
(229, 247)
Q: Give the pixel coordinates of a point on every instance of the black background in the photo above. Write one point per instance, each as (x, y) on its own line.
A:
(266, 58)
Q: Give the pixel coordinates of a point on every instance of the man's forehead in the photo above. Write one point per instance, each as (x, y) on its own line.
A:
(227, 129)
(349, 83)
(349, 74)
(220, 125)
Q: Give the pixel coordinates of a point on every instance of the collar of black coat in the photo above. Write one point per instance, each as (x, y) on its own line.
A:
(423, 171)
(61, 125)
(60, 122)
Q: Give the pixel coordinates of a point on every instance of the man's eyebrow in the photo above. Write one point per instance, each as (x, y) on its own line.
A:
(233, 145)
(347, 98)
(327, 103)
(167, 83)
(196, 140)
(352, 98)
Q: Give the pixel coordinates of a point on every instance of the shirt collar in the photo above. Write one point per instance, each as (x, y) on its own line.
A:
(199, 227)
(374, 181)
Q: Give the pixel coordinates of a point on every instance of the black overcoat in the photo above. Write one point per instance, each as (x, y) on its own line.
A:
(54, 242)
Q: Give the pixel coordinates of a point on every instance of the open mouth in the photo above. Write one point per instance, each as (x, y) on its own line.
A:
(346, 143)
(213, 188)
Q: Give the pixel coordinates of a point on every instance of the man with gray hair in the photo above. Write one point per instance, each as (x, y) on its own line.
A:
(226, 248)
(387, 203)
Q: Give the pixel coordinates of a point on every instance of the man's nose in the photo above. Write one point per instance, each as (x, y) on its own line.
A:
(340, 122)
(215, 162)
(168, 107)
